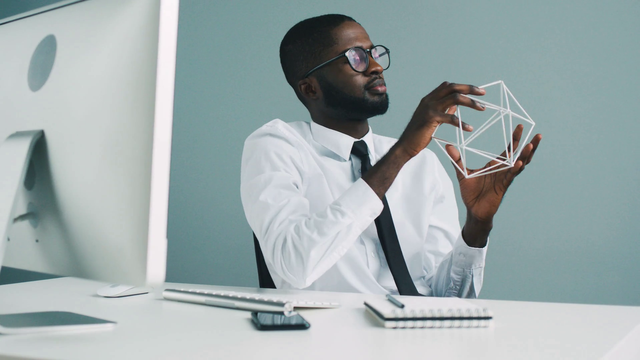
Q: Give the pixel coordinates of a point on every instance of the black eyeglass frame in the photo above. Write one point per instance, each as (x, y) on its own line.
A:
(367, 51)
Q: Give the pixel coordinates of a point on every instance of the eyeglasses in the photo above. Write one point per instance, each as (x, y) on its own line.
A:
(359, 58)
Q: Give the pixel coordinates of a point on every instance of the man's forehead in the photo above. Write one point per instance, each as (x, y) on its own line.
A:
(350, 34)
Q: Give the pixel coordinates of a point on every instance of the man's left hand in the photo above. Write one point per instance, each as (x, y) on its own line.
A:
(482, 195)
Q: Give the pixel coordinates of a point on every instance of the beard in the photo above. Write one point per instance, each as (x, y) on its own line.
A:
(349, 106)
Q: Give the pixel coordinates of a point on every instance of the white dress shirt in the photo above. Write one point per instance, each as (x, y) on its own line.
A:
(314, 216)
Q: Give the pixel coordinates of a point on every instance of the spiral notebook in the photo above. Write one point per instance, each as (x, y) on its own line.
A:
(428, 312)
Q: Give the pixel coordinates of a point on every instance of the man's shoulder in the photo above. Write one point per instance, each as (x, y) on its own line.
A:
(382, 142)
(277, 126)
(277, 137)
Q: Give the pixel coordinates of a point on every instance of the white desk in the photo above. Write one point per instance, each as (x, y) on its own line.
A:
(152, 328)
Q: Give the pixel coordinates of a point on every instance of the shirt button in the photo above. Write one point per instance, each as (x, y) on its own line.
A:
(373, 254)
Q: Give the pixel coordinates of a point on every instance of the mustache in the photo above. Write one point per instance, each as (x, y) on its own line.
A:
(376, 81)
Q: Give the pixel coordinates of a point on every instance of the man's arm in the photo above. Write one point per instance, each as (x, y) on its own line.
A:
(451, 267)
(434, 109)
(301, 238)
(481, 195)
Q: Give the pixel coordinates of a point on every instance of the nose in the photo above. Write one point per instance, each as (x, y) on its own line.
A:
(374, 67)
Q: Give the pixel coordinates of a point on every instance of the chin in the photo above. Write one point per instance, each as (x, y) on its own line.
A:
(379, 106)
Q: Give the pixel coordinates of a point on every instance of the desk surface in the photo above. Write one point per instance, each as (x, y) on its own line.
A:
(152, 328)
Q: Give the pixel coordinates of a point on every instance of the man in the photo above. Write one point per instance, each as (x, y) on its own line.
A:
(323, 226)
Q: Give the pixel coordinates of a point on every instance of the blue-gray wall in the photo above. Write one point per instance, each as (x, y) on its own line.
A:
(567, 230)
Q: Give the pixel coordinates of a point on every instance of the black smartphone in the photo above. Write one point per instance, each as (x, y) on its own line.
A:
(278, 321)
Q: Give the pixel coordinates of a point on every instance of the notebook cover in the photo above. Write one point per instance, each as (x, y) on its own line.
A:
(429, 312)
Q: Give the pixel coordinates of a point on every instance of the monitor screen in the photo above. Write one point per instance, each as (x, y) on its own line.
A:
(97, 77)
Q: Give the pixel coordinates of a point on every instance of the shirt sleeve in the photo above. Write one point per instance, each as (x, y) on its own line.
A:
(299, 246)
(452, 268)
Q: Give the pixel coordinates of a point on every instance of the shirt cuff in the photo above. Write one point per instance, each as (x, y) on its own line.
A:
(466, 257)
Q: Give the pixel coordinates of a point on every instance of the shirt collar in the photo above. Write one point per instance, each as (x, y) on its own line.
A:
(338, 142)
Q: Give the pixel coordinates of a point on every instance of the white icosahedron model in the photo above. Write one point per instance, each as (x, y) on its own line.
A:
(503, 114)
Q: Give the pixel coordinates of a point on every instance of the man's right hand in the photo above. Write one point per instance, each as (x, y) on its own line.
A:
(437, 108)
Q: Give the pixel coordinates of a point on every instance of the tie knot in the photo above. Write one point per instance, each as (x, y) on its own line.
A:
(360, 149)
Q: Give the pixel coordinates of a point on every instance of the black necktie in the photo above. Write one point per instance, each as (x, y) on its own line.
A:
(387, 232)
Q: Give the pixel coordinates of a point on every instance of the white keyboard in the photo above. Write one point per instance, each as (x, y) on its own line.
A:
(244, 301)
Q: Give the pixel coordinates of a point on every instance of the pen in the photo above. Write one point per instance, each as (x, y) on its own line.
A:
(395, 301)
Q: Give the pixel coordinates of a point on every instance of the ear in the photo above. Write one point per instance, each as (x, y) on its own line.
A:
(309, 89)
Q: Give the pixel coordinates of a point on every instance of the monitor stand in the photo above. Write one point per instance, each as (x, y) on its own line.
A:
(15, 155)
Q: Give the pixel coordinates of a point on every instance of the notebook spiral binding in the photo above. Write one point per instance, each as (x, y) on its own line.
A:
(435, 318)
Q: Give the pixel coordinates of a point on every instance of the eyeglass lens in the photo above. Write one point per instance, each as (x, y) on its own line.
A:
(359, 59)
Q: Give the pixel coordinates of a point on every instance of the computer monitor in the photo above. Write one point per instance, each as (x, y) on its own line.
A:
(86, 109)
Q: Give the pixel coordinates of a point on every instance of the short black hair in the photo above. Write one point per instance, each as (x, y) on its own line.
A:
(304, 44)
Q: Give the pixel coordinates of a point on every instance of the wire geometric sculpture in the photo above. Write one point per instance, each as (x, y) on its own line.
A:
(505, 113)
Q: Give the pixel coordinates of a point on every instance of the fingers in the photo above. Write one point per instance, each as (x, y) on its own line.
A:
(450, 117)
(526, 155)
(449, 94)
(517, 168)
(446, 98)
(535, 142)
(460, 99)
(447, 88)
(437, 108)
(528, 151)
(457, 160)
(517, 133)
(515, 137)
(455, 121)
(515, 141)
